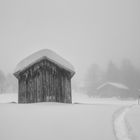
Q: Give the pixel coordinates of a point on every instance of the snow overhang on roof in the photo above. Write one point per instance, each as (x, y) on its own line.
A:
(42, 54)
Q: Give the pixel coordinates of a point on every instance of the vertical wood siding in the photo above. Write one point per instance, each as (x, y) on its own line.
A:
(44, 82)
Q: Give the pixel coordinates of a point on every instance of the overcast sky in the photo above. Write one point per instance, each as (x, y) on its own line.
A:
(82, 31)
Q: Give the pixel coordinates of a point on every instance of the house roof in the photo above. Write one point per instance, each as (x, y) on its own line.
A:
(45, 53)
(117, 85)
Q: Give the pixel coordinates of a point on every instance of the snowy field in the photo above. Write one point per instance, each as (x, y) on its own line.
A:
(133, 120)
(7, 98)
(57, 121)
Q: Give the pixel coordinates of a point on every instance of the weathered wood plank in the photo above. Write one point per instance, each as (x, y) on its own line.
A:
(44, 81)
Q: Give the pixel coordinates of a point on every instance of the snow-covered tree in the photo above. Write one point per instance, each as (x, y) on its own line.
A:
(93, 79)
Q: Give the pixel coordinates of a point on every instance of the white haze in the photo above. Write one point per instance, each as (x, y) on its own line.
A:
(83, 32)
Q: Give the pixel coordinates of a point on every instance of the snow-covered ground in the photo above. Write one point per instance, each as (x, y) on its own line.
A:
(121, 126)
(133, 119)
(9, 97)
(56, 121)
(83, 98)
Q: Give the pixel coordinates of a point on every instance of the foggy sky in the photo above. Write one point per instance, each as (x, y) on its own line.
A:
(82, 31)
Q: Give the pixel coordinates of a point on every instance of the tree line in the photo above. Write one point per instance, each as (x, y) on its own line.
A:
(126, 74)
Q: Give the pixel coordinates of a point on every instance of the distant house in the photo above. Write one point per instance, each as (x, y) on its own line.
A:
(44, 77)
(111, 89)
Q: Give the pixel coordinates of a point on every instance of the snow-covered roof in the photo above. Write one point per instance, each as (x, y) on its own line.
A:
(48, 54)
(118, 85)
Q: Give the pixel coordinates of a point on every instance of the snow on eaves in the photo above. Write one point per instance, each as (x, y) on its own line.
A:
(118, 85)
(50, 55)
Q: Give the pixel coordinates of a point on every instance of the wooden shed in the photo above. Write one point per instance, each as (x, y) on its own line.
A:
(44, 77)
(112, 89)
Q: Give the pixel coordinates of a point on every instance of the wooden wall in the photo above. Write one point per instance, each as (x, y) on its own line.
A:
(44, 82)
